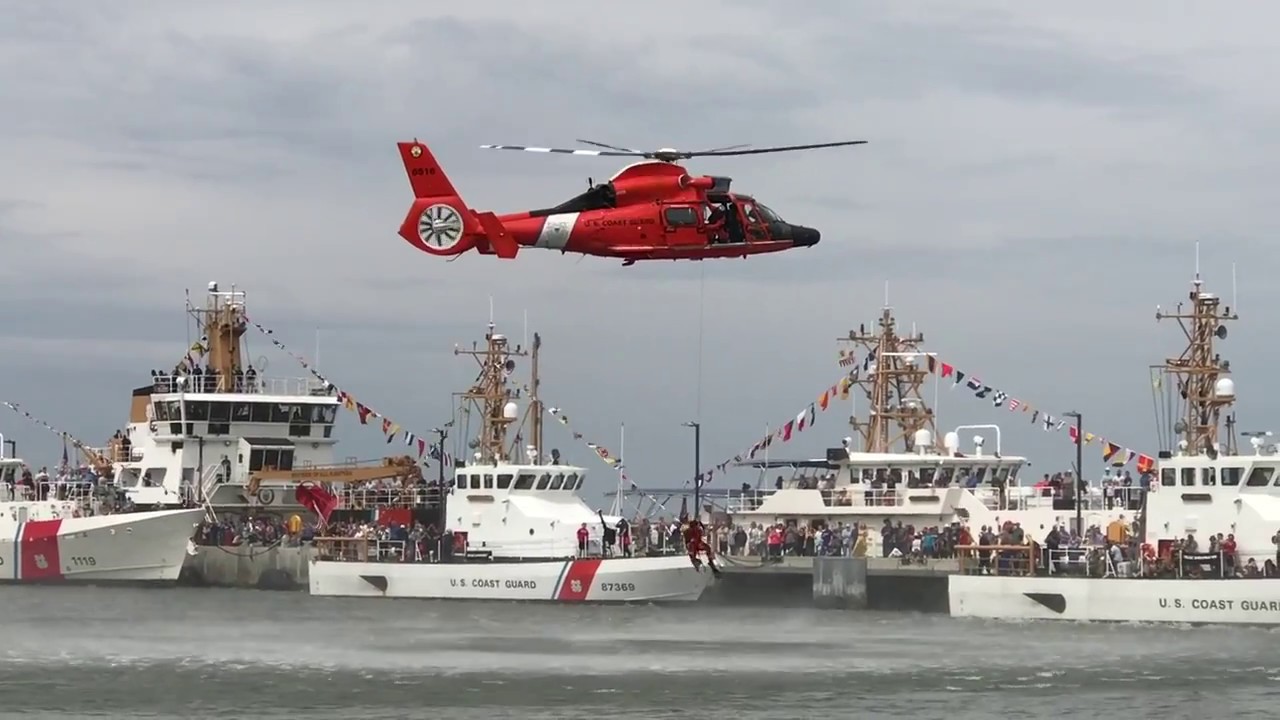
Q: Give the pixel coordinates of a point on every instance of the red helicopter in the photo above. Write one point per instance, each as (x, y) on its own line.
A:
(651, 210)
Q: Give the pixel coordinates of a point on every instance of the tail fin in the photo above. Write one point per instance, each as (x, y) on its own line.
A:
(439, 223)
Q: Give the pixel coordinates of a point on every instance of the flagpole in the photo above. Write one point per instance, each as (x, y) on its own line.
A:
(622, 461)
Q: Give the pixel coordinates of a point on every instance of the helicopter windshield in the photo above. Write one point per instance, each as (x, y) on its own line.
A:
(767, 214)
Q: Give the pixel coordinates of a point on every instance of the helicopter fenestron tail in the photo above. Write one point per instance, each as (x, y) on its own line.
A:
(439, 223)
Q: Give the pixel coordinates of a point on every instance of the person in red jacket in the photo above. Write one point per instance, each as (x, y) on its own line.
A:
(584, 536)
(695, 543)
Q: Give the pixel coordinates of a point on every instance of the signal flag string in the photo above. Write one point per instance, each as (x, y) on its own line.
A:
(1114, 453)
(66, 436)
(390, 428)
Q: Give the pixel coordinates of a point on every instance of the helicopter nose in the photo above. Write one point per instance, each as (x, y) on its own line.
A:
(802, 236)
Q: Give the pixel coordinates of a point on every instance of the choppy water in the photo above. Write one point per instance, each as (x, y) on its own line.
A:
(92, 652)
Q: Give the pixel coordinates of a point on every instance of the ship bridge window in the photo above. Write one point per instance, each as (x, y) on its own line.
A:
(1001, 476)
(1209, 476)
(927, 476)
(1231, 476)
(945, 476)
(324, 414)
(543, 481)
(270, 459)
(283, 413)
(525, 481)
(557, 482)
(198, 410)
(240, 412)
(504, 481)
(1260, 476)
(219, 412)
(259, 412)
(460, 482)
(1188, 477)
(1168, 477)
(571, 482)
(475, 482)
(488, 482)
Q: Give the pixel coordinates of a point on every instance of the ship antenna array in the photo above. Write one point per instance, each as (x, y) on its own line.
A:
(493, 399)
(1191, 391)
(892, 383)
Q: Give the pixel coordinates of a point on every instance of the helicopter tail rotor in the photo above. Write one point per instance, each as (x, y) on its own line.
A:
(439, 222)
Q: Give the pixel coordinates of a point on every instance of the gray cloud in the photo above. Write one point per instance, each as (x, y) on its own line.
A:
(1033, 186)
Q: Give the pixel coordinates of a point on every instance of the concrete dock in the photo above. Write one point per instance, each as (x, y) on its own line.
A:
(837, 582)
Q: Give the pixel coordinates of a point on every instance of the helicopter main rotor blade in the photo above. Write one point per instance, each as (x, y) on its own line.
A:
(720, 149)
(565, 151)
(607, 146)
(761, 151)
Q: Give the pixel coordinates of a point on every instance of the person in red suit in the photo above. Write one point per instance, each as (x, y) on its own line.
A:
(695, 543)
(584, 536)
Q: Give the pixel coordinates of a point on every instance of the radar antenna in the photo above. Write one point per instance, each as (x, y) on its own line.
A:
(1195, 385)
(893, 384)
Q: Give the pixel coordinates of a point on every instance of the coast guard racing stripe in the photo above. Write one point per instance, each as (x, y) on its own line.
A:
(38, 551)
(577, 582)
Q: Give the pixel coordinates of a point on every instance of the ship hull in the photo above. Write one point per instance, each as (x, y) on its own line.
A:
(142, 548)
(1231, 602)
(616, 580)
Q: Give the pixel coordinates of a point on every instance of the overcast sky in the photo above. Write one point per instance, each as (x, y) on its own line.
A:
(1034, 183)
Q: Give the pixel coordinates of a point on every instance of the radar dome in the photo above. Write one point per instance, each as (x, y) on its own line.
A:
(511, 411)
(1224, 389)
(951, 441)
(923, 438)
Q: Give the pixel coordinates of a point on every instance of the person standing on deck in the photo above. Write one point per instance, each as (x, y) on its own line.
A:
(584, 537)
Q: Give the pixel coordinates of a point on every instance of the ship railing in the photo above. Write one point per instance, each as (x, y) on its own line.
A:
(350, 498)
(76, 491)
(996, 559)
(1028, 497)
(218, 384)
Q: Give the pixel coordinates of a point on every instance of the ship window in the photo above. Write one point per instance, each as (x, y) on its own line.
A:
(161, 411)
(239, 412)
(281, 413)
(680, 216)
(324, 413)
(1260, 476)
(1231, 476)
(259, 412)
(461, 482)
(270, 459)
(571, 482)
(1188, 477)
(475, 482)
(197, 410)
(927, 475)
(543, 481)
(1209, 476)
(504, 481)
(525, 481)
(219, 412)
(1168, 477)
(945, 476)
(488, 482)
(299, 429)
(557, 482)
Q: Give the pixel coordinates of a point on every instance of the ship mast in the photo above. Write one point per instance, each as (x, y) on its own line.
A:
(492, 396)
(223, 324)
(1195, 383)
(892, 383)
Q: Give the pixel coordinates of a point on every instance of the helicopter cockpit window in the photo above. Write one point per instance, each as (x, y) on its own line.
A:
(680, 216)
(749, 211)
(767, 214)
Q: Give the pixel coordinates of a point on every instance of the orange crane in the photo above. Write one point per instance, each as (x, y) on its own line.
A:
(402, 468)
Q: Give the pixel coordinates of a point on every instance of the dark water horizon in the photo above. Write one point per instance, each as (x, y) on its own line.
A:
(201, 653)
